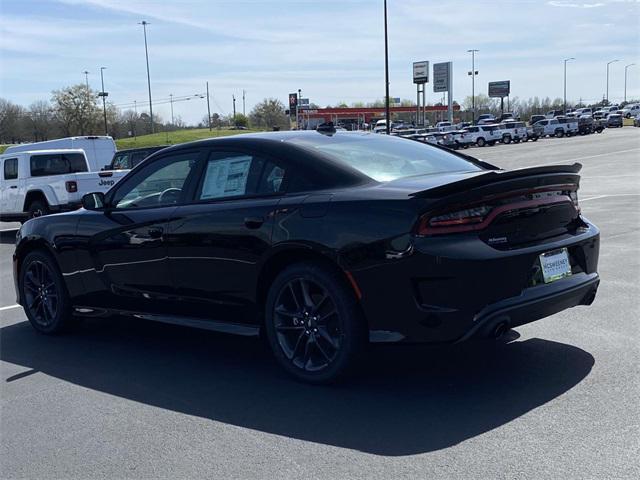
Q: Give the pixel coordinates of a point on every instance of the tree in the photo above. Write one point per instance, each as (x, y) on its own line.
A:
(10, 121)
(241, 120)
(76, 109)
(269, 113)
(41, 120)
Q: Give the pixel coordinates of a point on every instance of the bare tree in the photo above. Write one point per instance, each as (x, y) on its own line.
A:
(76, 110)
(10, 121)
(40, 118)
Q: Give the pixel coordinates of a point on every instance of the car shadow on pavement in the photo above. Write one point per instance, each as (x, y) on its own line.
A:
(406, 400)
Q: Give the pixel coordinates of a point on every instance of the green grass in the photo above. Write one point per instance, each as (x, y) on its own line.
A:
(172, 138)
(168, 138)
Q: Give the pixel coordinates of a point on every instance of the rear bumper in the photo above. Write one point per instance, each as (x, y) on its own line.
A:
(534, 303)
(455, 287)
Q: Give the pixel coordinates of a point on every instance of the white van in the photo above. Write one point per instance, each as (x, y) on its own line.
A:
(99, 150)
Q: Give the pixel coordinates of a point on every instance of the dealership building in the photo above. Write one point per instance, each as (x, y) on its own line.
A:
(311, 118)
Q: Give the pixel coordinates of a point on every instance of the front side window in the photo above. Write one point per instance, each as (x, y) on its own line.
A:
(11, 169)
(160, 184)
(57, 164)
(121, 161)
(233, 174)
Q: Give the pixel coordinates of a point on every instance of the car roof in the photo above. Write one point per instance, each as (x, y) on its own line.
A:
(141, 149)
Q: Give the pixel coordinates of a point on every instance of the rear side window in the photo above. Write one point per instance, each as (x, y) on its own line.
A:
(233, 174)
(11, 169)
(57, 164)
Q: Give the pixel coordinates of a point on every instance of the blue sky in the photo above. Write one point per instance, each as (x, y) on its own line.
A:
(332, 50)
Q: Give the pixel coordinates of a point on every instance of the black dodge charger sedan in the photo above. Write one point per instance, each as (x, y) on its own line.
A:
(322, 241)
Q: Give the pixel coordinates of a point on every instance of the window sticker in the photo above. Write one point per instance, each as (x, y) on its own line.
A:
(226, 177)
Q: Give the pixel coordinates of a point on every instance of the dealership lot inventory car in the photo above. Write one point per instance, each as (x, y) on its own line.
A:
(322, 241)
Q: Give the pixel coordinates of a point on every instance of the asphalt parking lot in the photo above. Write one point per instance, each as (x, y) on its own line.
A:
(122, 398)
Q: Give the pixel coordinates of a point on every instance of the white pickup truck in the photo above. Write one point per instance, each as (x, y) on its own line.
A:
(48, 181)
(556, 126)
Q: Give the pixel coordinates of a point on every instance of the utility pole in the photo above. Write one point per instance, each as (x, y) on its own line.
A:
(86, 79)
(243, 94)
(565, 84)
(473, 74)
(609, 63)
(386, 73)
(104, 94)
(144, 24)
(135, 123)
(234, 108)
(171, 102)
(625, 80)
(208, 107)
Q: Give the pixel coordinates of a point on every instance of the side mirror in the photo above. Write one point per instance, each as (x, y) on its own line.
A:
(93, 201)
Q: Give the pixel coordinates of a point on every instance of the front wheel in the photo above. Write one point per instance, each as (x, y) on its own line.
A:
(506, 139)
(480, 142)
(43, 294)
(313, 323)
(559, 133)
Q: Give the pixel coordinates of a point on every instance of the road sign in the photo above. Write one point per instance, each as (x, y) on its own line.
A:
(420, 72)
(500, 89)
(441, 76)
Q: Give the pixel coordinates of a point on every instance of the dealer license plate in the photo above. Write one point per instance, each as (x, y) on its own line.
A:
(555, 265)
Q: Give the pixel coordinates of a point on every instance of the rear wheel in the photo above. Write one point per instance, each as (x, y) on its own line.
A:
(506, 139)
(38, 208)
(43, 293)
(313, 323)
(559, 133)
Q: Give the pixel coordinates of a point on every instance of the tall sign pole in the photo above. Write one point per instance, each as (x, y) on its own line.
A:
(104, 94)
(473, 74)
(420, 78)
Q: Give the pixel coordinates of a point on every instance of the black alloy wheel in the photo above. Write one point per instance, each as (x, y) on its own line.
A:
(42, 293)
(307, 324)
(313, 323)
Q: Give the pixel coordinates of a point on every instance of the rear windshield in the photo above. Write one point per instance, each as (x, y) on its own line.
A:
(385, 158)
(57, 164)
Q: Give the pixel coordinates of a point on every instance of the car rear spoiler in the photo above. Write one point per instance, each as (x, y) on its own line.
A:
(495, 176)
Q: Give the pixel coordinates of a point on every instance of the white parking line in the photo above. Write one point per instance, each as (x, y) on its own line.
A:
(611, 195)
(9, 307)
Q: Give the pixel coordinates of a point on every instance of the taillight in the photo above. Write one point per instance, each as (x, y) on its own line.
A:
(71, 186)
(478, 216)
(460, 218)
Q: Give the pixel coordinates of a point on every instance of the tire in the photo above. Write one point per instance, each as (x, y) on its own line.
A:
(43, 294)
(534, 139)
(506, 139)
(559, 133)
(38, 208)
(480, 142)
(517, 140)
(309, 347)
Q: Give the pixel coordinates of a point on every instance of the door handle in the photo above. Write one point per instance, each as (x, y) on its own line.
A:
(253, 222)
(155, 232)
(13, 186)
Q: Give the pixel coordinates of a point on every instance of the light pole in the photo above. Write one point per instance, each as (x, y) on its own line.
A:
(298, 109)
(208, 108)
(473, 74)
(565, 83)
(386, 72)
(144, 24)
(171, 102)
(609, 63)
(86, 79)
(243, 94)
(625, 80)
(104, 95)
